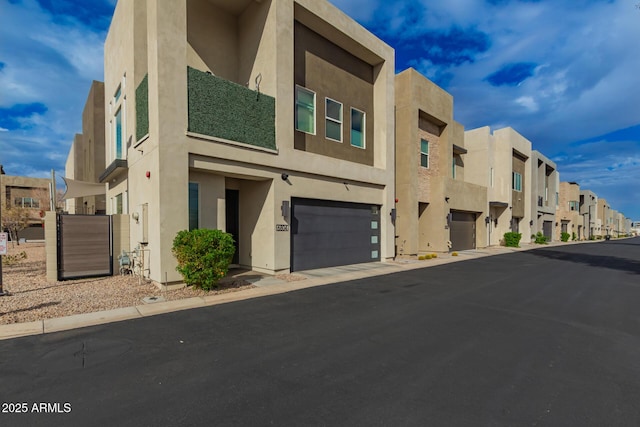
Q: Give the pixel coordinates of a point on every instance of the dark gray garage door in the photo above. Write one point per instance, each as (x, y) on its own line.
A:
(547, 230)
(463, 230)
(326, 233)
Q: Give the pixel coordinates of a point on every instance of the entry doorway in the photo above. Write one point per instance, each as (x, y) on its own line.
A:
(232, 218)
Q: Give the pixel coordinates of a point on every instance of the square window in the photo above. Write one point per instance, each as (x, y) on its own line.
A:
(358, 120)
(374, 225)
(374, 240)
(305, 110)
(374, 254)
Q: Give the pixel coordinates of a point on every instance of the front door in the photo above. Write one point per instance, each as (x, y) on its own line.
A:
(232, 203)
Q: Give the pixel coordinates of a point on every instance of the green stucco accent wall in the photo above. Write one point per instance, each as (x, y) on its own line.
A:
(142, 108)
(224, 109)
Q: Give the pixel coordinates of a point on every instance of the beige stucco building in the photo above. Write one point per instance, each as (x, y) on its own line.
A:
(31, 194)
(568, 215)
(437, 208)
(86, 158)
(272, 120)
(501, 160)
(544, 195)
(589, 212)
(605, 215)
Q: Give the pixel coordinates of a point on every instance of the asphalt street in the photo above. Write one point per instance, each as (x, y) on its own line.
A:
(548, 337)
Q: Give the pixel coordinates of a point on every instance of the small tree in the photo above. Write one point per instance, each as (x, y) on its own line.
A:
(565, 236)
(203, 256)
(15, 220)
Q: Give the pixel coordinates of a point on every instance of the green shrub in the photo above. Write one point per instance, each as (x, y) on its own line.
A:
(573, 236)
(512, 239)
(454, 253)
(565, 237)
(422, 258)
(592, 237)
(541, 239)
(203, 256)
(434, 255)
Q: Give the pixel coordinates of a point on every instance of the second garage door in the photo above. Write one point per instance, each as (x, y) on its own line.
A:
(463, 230)
(327, 233)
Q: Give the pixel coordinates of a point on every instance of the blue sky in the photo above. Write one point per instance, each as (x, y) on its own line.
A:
(563, 73)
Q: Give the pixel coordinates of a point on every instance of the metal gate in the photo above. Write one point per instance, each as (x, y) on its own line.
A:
(85, 246)
(462, 231)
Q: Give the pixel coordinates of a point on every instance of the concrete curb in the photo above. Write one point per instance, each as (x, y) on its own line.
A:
(271, 287)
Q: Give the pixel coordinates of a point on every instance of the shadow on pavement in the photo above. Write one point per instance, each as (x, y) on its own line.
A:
(605, 261)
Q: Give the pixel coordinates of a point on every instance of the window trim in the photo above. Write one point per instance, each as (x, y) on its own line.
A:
(422, 153)
(315, 107)
(364, 128)
(327, 118)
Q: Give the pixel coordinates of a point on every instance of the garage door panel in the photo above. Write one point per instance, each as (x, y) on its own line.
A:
(462, 230)
(327, 233)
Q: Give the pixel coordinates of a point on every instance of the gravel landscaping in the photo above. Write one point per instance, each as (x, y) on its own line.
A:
(32, 297)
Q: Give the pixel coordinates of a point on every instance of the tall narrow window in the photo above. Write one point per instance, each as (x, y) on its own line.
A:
(358, 121)
(194, 211)
(305, 110)
(492, 177)
(117, 134)
(333, 120)
(424, 153)
(453, 166)
(118, 208)
(516, 179)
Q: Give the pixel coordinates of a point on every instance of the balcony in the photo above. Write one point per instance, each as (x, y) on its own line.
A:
(222, 109)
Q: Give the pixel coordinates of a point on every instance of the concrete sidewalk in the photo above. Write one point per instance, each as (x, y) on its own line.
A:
(265, 286)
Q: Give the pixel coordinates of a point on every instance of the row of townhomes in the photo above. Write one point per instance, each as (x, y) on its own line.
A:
(283, 123)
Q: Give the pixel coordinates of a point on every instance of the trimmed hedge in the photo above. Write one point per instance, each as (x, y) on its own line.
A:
(512, 239)
(203, 256)
(223, 109)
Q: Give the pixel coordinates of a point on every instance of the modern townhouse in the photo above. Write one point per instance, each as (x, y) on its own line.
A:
(545, 181)
(605, 214)
(272, 120)
(437, 208)
(500, 160)
(86, 159)
(31, 195)
(589, 212)
(568, 214)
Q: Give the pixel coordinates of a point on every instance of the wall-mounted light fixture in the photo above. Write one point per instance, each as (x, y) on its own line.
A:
(135, 216)
(393, 216)
(148, 174)
(285, 210)
(531, 222)
(487, 220)
(446, 199)
(284, 176)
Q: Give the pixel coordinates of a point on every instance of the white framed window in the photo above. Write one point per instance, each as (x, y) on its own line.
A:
(424, 153)
(358, 124)
(305, 110)
(118, 206)
(453, 166)
(117, 111)
(194, 205)
(492, 177)
(26, 202)
(333, 120)
(516, 181)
